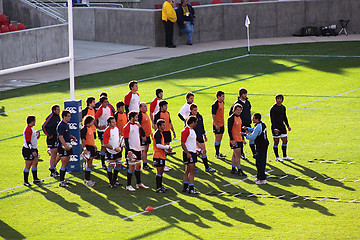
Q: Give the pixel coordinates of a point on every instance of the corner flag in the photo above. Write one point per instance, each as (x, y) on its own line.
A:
(247, 21)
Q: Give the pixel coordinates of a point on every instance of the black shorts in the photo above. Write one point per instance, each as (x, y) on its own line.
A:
(200, 139)
(91, 150)
(51, 142)
(220, 131)
(148, 141)
(167, 136)
(238, 145)
(158, 162)
(112, 156)
(137, 154)
(193, 158)
(100, 135)
(28, 153)
(282, 130)
(63, 153)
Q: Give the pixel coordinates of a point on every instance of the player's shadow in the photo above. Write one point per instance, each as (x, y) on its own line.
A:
(3, 112)
(58, 199)
(297, 202)
(8, 232)
(95, 199)
(319, 177)
(290, 179)
(236, 213)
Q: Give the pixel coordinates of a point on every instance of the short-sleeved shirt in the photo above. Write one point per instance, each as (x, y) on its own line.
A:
(188, 136)
(132, 132)
(166, 117)
(154, 106)
(278, 116)
(234, 128)
(112, 137)
(102, 115)
(87, 111)
(87, 133)
(185, 110)
(64, 130)
(30, 136)
(218, 111)
(132, 100)
(121, 121)
(158, 139)
(145, 123)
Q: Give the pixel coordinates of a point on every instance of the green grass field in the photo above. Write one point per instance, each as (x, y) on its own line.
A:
(322, 97)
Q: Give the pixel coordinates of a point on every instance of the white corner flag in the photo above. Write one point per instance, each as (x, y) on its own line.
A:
(247, 25)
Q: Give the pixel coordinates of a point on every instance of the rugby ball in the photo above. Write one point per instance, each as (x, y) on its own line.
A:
(67, 144)
(122, 142)
(86, 155)
(37, 134)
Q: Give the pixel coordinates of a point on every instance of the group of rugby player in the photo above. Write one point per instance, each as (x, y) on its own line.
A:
(130, 127)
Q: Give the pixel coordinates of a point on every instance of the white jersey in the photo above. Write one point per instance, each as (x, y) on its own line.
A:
(133, 100)
(112, 137)
(188, 136)
(102, 115)
(30, 136)
(185, 110)
(132, 133)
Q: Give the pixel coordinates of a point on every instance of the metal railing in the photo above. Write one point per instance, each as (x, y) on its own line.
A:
(50, 8)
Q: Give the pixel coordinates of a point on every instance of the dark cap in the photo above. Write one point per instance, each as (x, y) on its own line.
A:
(158, 91)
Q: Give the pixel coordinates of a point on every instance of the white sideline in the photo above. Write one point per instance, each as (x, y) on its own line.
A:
(141, 80)
(320, 56)
(166, 204)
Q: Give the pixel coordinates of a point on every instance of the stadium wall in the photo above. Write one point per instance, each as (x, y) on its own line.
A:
(33, 45)
(1, 6)
(214, 22)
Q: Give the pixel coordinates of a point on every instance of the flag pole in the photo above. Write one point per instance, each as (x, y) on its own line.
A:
(71, 51)
(248, 38)
(247, 25)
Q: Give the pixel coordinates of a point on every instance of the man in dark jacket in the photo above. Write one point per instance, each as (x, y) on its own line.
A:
(185, 18)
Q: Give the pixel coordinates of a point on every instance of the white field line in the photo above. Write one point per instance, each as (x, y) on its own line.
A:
(357, 180)
(351, 162)
(294, 197)
(312, 178)
(166, 204)
(283, 177)
(5, 190)
(141, 80)
(244, 179)
(236, 194)
(337, 200)
(297, 177)
(320, 56)
(329, 109)
(337, 162)
(327, 179)
(323, 199)
(352, 200)
(342, 179)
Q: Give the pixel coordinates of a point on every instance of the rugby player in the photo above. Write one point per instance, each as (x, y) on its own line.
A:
(49, 128)
(154, 105)
(30, 151)
(218, 122)
(132, 98)
(145, 123)
(185, 109)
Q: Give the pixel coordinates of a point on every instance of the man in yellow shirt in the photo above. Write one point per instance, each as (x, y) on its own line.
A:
(169, 18)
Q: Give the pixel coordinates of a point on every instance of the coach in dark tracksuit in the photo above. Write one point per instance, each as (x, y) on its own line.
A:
(258, 134)
(245, 116)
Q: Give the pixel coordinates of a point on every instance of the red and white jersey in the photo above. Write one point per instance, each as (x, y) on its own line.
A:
(188, 136)
(131, 131)
(132, 100)
(30, 136)
(154, 106)
(185, 110)
(112, 137)
(102, 115)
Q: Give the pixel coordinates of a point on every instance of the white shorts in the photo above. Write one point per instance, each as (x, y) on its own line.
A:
(280, 136)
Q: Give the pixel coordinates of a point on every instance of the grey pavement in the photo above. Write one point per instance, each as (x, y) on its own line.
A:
(95, 57)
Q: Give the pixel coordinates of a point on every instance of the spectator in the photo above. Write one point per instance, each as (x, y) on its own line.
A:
(185, 15)
(169, 18)
(216, 1)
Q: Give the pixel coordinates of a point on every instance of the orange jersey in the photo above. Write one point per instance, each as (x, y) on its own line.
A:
(145, 123)
(218, 111)
(87, 134)
(234, 128)
(166, 117)
(91, 112)
(121, 121)
(158, 139)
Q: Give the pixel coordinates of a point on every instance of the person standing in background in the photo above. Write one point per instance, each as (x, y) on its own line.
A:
(169, 18)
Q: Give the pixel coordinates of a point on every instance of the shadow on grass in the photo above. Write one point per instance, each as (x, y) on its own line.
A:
(62, 202)
(319, 177)
(8, 232)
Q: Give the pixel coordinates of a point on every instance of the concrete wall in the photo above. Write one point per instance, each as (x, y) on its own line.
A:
(33, 45)
(214, 22)
(1, 6)
(26, 14)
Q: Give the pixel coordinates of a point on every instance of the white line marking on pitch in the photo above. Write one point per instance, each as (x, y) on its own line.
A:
(236, 194)
(321, 56)
(352, 200)
(323, 161)
(22, 185)
(327, 179)
(166, 204)
(221, 193)
(351, 162)
(281, 196)
(294, 197)
(253, 194)
(141, 80)
(337, 200)
(244, 179)
(323, 199)
(283, 177)
(342, 179)
(312, 178)
(357, 180)
(337, 162)
(298, 177)
(307, 198)
(266, 195)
